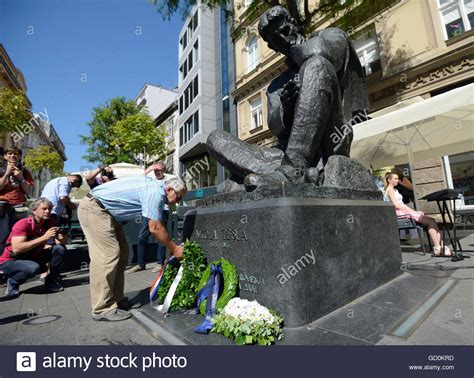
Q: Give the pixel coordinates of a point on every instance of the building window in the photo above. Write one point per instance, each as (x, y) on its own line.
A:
(461, 172)
(199, 172)
(186, 96)
(192, 25)
(189, 128)
(184, 40)
(256, 113)
(190, 60)
(185, 70)
(252, 54)
(188, 34)
(367, 50)
(369, 56)
(457, 16)
(195, 21)
(195, 51)
(189, 94)
(195, 87)
(170, 129)
(188, 64)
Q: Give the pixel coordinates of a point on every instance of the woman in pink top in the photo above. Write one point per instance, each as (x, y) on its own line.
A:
(402, 210)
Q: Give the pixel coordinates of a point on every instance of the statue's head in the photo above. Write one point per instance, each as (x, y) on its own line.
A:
(279, 29)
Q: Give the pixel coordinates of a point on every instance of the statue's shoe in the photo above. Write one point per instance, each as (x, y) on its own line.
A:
(253, 181)
(314, 176)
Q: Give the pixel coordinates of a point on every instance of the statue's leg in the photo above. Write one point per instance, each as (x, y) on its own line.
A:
(317, 107)
(241, 158)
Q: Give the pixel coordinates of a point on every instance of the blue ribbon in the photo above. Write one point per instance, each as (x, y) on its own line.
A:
(210, 291)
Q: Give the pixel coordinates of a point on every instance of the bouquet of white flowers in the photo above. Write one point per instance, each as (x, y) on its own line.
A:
(248, 322)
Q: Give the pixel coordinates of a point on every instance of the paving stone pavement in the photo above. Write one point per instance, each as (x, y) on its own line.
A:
(451, 322)
(37, 318)
(64, 318)
(373, 319)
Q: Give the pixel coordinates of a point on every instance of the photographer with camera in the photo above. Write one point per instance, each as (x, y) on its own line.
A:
(32, 244)
(15, 183)
(99, 176)
(57, 191)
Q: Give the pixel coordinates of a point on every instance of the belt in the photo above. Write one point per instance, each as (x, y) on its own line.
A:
(96, 200)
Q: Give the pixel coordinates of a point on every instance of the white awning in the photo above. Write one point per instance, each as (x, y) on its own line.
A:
(126, 169)
(441, 125)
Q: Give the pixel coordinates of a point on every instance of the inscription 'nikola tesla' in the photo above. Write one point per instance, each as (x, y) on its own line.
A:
(224, 234)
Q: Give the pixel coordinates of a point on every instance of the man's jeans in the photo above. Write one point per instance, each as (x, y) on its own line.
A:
(142, 241)
(19, 270)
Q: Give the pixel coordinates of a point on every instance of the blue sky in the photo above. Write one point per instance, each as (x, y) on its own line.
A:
(76, 54)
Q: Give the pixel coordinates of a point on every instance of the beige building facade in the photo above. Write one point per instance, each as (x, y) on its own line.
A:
(12, 78)
(410, 49)
(37, 131)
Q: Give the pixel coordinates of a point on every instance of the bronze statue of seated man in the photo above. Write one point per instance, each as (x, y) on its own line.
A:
(311, 107)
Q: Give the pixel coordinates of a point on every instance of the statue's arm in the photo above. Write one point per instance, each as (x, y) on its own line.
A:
(275, 115)
(281, 97)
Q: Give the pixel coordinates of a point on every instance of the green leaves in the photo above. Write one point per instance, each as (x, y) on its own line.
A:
(193, 265)
(138, 134)
(229, 290)
(120, 132)
(246, 332)
(169, 7)
(14, 110)
(42, 157)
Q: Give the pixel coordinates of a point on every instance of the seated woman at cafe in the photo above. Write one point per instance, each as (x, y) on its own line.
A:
(402, 210)
(404, 187)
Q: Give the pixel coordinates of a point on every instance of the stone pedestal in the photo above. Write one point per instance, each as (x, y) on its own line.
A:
(301, 250)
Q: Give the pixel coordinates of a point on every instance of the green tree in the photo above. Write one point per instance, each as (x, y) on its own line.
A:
(14, 109)
(347, 12)
(137, 134)
(119, 132)
(42, 157)
(101, 149)
(169, 7)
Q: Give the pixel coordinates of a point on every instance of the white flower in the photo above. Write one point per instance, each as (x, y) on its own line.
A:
(245, 310)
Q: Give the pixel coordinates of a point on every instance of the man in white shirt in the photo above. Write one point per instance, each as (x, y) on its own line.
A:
(57, 191)
(157, 172)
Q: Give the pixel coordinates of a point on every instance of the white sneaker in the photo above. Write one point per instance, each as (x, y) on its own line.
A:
(136, 268)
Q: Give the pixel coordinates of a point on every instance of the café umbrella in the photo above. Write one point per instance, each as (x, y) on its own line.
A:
(441, 125)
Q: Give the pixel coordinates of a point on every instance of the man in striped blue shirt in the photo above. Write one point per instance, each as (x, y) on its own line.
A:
(101, 214)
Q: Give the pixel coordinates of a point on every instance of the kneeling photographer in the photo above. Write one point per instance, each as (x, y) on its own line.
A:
(33, 243)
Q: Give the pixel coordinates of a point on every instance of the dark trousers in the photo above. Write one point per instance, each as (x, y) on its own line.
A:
(142, 242)
(19, 270)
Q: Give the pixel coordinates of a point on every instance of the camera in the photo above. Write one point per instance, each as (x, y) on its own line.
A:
(109, 175)
(62, 229)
